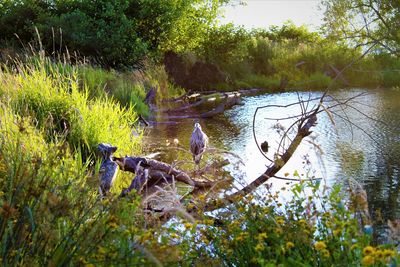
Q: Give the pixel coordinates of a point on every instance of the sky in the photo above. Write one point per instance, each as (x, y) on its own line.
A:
(264, 13)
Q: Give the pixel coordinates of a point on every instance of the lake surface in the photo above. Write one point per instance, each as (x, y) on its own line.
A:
(367, 150)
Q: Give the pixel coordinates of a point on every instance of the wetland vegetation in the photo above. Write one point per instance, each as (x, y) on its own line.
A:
(75, 74)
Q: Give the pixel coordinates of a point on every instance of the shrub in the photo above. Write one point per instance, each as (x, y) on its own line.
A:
(261, 51)
(317, 80)
(314, 228)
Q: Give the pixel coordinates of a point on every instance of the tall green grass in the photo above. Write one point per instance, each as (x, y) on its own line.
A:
(61, 108)
(50, 210)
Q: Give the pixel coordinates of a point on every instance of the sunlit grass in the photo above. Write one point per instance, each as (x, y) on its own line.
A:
(51, 213)
(62, 108)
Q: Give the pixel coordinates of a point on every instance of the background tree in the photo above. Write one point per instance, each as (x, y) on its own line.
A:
(365, 22)
(117, 32)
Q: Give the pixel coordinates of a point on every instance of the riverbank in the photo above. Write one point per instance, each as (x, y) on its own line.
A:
(53, 116)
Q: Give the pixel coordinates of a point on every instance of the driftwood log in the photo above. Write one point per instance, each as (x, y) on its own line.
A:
(152, 172)
(225, 100)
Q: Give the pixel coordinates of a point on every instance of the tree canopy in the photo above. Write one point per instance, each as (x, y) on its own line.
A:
(365, 23)
(116, 32)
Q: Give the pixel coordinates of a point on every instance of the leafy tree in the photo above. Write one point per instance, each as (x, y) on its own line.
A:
(365, 23)
(117, 32)
(289, 32)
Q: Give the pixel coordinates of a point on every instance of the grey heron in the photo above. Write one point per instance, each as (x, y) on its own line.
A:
(198, 143)
(108, 168)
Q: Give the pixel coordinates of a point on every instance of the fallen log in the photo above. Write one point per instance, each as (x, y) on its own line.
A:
(198, 99)
(230, 100)
(159, 171)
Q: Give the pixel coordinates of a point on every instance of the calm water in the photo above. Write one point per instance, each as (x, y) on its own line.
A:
(368, 151)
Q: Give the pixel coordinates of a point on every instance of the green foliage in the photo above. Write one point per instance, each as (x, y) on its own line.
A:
(50, 211)
(261, 51)
(317, 227)
(225, 44)
(115, 33)
(379, 25)
(316, 80)
(131, 94)
(62, 109)
(96, 80)
(258, 81)
(288, 32)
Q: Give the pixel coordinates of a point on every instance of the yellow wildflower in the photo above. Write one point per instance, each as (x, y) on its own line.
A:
(174, 235)
(146, 236)
(279, 231)
(234, 224)
(101, 250)
(368, 250)
(262, 236)
(302, 222)
(241, 209)
(205, 240)
(280, 220)
(112, 225)
(239, 238)
(289, 245)
(202, 198)
(337, 232)
(378, 254)
(325, 253)
(188, 226)
(209, 222)
(260, 247)
(367, 260)
(326, 214)
(320, 245)
(389, 253)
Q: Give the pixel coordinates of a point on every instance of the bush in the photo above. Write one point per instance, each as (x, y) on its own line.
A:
(115, 33)
(314, 228)
(317, 80)
(261, 51)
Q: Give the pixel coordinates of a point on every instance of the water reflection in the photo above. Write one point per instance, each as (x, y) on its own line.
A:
(368, 150)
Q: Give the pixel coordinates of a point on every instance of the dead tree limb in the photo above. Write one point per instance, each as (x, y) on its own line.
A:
(230, 101)
(304, 130)
(159, 171)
